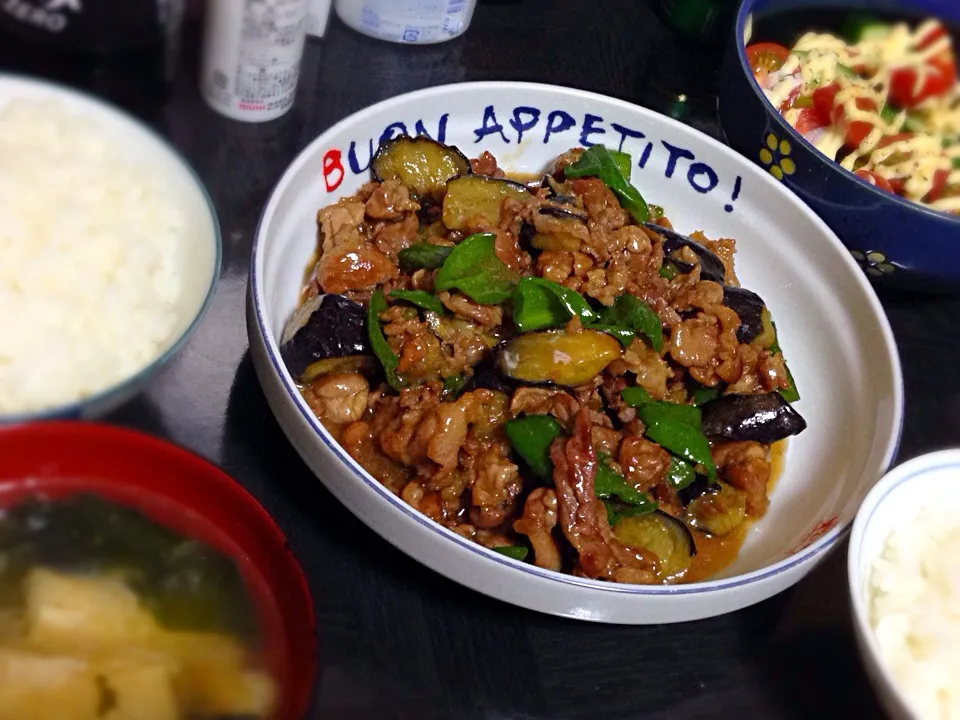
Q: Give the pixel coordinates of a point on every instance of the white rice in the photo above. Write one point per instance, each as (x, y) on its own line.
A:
(90, 245)
(914, 608)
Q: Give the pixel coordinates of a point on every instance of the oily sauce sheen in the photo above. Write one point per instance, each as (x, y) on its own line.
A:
(714, 553)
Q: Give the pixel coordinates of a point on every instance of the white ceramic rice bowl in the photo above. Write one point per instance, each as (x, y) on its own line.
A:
(896, 500)
(200, 253)
(833, 331)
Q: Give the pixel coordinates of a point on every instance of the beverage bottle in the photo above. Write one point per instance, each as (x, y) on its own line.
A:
(125, 50)
(251, 56)
(418, 22)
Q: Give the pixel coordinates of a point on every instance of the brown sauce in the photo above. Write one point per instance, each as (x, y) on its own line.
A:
(716, 553)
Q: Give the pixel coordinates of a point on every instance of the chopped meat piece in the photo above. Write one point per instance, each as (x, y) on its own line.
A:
(495, 487)
(725, 249)
(392, 237)
(360, 441)
(486, 316)
(345, 216)
(434, 347)
(486, 164)
(555, 265)
(644, 463)
(338, 399)
(693, 342)
(545, 401)
(390, 201)
(745, 466)
(539, 519)
(507, 249)
(354, 266)
(651, 370)
(601, 204)
(771, 371)
(583, 517)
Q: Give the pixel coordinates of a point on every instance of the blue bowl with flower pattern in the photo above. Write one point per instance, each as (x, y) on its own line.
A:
(895, 241)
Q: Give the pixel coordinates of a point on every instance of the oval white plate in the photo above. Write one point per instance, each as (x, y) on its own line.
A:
(833, 331)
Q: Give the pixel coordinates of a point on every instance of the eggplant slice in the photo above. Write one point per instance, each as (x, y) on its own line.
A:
(422, 164)
(711, 267)
(326, 326)
(556, 357)
(719, 510)
(663, 535)
(764, 418)
(476, 199)
(749, 308)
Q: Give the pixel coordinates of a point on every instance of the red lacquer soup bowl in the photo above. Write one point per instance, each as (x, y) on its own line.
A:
(191, 497)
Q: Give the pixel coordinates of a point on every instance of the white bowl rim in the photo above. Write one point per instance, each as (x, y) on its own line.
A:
(901, 474)
(75, 407)
(821, 545)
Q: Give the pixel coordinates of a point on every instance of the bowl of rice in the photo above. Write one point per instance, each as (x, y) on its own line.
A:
(111, 252)
(904, 573)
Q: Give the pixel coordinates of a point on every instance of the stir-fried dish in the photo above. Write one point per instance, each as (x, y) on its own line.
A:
(549, 370)
(880, 98)
(105, 614)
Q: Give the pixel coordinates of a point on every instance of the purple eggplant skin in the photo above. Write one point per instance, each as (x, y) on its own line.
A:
(486, 376)
(324, 327)
(711, 267)
(749, 308)
(694, 490)
(563, 213)
(764, 418)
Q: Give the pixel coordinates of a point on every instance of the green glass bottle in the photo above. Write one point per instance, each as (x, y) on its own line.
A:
(704, 20)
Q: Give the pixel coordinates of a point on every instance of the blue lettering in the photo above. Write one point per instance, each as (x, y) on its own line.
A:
(490, 126)
(590, 128)
(388, 132)
(736, 193)
(557, 122)
(675, 154)
(625, 132)
(697, 170)
(645, 155)
(519, 125)
(354, 162)
(441, 129)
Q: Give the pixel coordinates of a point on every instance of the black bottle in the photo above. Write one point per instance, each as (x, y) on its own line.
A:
(121, 49)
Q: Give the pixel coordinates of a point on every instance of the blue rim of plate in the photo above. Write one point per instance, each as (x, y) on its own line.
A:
(75, 409)
(745, 10)
(821, 545)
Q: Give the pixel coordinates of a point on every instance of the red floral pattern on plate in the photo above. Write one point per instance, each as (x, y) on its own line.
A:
(818, 531)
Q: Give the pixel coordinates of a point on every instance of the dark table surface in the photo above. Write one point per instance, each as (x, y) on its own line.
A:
(397, 640)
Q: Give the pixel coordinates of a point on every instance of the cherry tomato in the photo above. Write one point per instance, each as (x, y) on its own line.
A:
(766, 57)
(823, 99)
(788, 102)
(891, 139)
(824, 102)
(899, 185)
(937, 32)
(876, 180)
(857, 132)
(939, 183)
(939, 78)
(809, 119)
